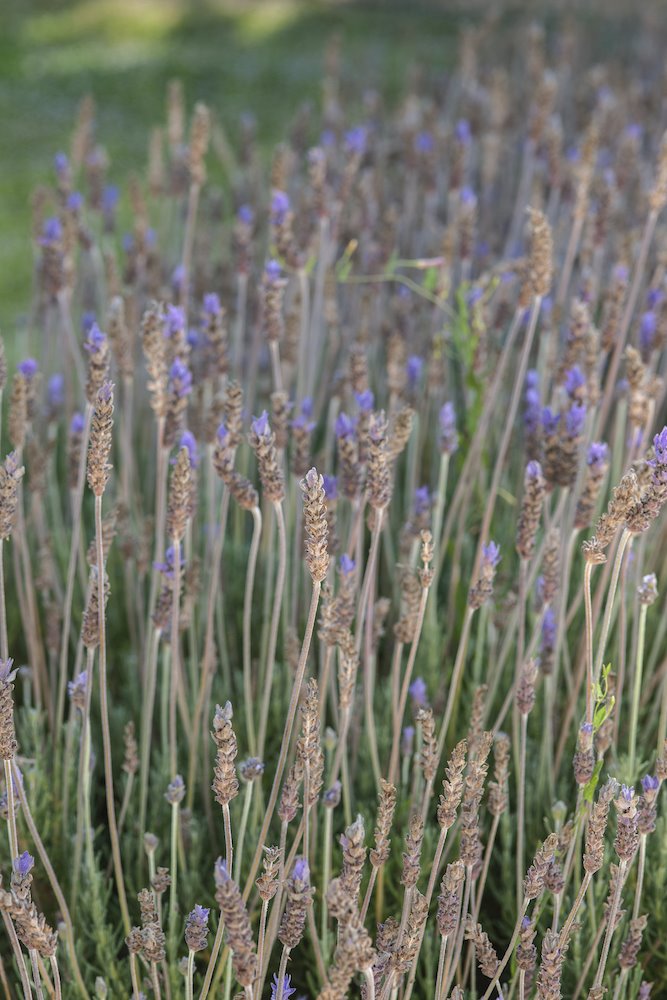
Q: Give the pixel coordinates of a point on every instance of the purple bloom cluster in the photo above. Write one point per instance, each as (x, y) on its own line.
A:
(418, 692)
(574, 381)
(365, 400)
(449, 439)
(330, 486)
(346, 564)
(344, 426)
(23, 864)
(491, 554)
(531, 413)
(288, 989)
(260, 425)
(180, 379)
(279, 207)
(575, 419)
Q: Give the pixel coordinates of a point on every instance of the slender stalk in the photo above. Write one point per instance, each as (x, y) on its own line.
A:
(281, 973)
(36, 978)
(439, 979)
(173, 889)
(456, 679)
(247, 801)
(636, 688)
(208, 662)
(51, 875)
(588, 569)
(641, 868)
(247, 626)
(287, 736)
(19, 956)
(106, 733)
(396, 736)
(189, 976)
(77, 497)
(509, 418)
(147, 729)
(175, 657)
(508, 954)
(608, 611)
(134, 975)
(57, 986)
(611, 923)
(273, 632)
(521, 810)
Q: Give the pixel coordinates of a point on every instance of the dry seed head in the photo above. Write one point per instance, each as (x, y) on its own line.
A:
(534, 492)
(267, 883)
(10, 477)
(378, 473)
(8, 744)
(238, 932)
(299, 898)
(315, 523)
(452, 786)
(428, 758)
(90, 626)
(551, 968)
(263, 443)
(658, 195)
(354, 856)
(379, 853)
(484, 950)
(627, 958)
(155, 353)
(412, 853)
(536, 874)
(199, 139)
(18, 411)
(525, 692)
(131, 760)
(99, 448)
(225, 783)
(449, 899)
(180, 496)
(541, 254)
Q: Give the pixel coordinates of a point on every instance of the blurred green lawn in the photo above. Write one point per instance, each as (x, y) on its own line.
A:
(236, 55)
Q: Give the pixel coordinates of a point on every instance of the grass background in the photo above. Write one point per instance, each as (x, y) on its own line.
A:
(237, 55)
(258, 56)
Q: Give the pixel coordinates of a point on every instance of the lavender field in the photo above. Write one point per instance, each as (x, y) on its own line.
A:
(333, 634)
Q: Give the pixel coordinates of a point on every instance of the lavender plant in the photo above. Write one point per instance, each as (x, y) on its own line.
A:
(426, 351)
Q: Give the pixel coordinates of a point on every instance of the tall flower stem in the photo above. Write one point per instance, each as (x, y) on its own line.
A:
(588, 606)
(150, 684)
(287, 735)
(51, 875)
(106, 732)
(209, 649)
(609, 608)
(275, 622)
(521, 809)
(611, 923)
(456, 679)
(175, 657)
(247, 626)
(77, 497)
(398, 721)
(637, 688)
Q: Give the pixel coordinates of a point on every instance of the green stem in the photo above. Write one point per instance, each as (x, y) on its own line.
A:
(636, 688)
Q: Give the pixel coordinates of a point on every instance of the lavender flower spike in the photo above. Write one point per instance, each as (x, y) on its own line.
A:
(288, 989)
(23, 864)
